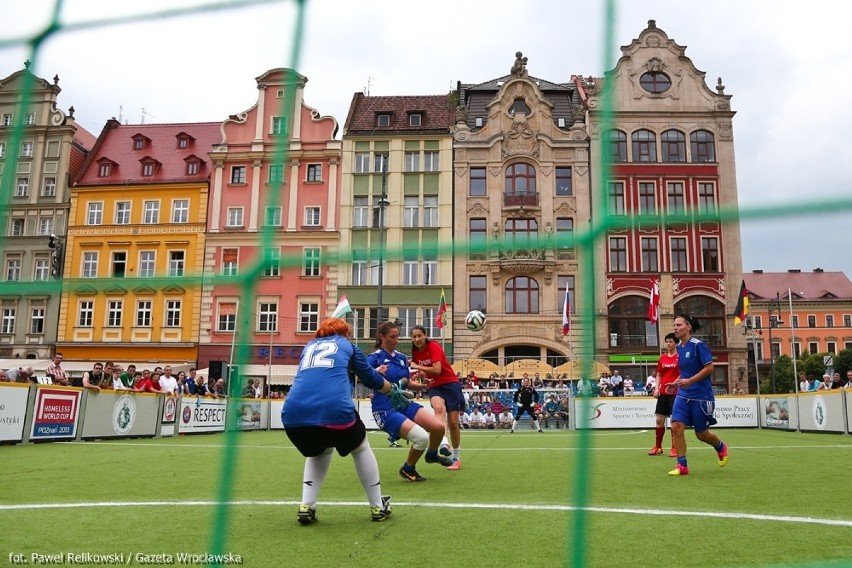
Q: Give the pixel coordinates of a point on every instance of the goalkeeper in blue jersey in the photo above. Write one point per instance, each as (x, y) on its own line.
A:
(320, 417)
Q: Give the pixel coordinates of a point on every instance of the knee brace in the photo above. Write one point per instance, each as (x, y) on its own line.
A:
(418, 437)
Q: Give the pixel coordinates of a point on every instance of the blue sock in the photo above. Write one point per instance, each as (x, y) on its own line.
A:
(431, 453)
(720, 446)
(408, 468)
(681, 461)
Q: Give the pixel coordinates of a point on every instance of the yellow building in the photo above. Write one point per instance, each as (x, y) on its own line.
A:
(135, 246)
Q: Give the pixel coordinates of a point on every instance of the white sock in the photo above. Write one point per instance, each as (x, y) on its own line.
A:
(368, 472)
(457, 453)
(314, 476)
(514, 423)
(535, 425)
(444, 442)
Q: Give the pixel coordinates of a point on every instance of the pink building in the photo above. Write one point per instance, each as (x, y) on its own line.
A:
(272, 227)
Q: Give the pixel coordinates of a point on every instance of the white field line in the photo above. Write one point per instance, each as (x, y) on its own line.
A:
(501, 506)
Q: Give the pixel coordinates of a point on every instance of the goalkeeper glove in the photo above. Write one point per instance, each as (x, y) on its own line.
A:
(397, 397)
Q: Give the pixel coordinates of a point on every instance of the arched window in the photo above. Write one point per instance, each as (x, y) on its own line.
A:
(628, 323)
(674, 146)
(709, 313)
(520, 179)
(521, 295)
(703, 146)
(519, 106)
(617, 146)
(655, 82)
(644, 146)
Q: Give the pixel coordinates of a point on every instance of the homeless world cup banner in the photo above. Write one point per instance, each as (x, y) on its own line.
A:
(56, 413)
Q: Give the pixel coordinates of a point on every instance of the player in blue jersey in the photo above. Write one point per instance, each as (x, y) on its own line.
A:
(415, 424)
(320, 417)
(694, 404)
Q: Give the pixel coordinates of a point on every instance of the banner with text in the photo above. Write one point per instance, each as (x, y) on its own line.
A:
(56, 412)
(13, 410)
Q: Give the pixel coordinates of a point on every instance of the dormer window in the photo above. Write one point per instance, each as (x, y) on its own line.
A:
(520, 107)
(106, 167)
(478, 122)
(140, 141)
(149, 166)
(184, 140)
(383, 119)
(415, 119)
(193, 165)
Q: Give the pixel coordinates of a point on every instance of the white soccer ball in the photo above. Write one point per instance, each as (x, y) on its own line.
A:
(475, 320)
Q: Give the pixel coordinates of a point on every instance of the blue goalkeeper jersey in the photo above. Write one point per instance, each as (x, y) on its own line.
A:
(321, 394)
(691, 358)
(397, 369)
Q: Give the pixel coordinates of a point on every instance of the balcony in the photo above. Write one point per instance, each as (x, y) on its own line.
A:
(523, 260)
(521, 200)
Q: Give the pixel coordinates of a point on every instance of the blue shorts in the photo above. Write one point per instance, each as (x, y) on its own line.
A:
(452, 395)
(696, 414)
(392, 420)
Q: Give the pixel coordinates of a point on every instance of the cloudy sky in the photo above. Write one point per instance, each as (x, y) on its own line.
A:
(789, 71)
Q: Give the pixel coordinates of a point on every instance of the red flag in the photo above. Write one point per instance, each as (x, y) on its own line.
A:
(442, 309)
(566, 314)
(654, 307)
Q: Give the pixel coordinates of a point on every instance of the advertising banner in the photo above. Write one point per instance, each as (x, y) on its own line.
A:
(118, 414)
(776, 412)
(56, 412)
(822, 411)
(13, 410)
(199, 414)
(638, 412)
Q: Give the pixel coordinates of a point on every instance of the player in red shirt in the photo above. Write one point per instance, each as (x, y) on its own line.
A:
(667, 374)
(444, 389)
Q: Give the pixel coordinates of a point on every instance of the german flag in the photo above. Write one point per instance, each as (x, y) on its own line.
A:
(741, 311)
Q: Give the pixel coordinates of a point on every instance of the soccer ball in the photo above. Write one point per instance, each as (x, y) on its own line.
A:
(475, 320)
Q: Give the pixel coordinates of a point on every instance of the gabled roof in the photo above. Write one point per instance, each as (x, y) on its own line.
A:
(804, 286)
(116, 144)
(436, 111)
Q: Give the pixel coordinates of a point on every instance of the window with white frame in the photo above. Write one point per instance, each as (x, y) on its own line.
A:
(104, 169)
(410, 212)
(26, 149)
(238, 174)
(678, 254)
(312, 216)
(279, 125)
(13, 268)
(235, 217)
(22, 189)
(45, 225)
(267, 317)
(380, 162)
(360, 212)
(415, 119)
(794, 319)
(180, 211)
(119, 263)
(813, 347)
(675, 197)
(831, 347)
(173, 313)
(90, 265)
(7, 120)
(276, 173)
(7, 324)
(273, 216)
(431, 162)
(430, 211)
(151, 212)
(273, 262)
(308, 316)
(29, 120)
(428, 322)
(616, 198)
(143, 313)
(114, 311)
(311, 263)
(192, 167)
(706, 197)
(227, 318)
(148, 169)
(122, 213)
(847, 320)
(314, 172)
(230, 258)
(430, 271)
(176, 262)
(410, 270)
(37, 321)
(85, 313)
(650, 254)
(411, 161)
(374, 273)
(95, 215)
(829, 320)
(362, 162)
(49, 187)
(407, 318)
(16, 229)
(2, 150)
(41, 269)
(359, 273)
(147, 263)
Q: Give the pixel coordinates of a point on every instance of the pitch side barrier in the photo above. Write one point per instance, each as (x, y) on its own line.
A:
(34, 413)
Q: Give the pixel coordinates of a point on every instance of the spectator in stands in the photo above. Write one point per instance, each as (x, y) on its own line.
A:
(738, 389)
(118, 382)
(250, 390)
(93, 379)
(537, 383)
(584, 387)
(464, 420)
(492, 382)
(471, 376)
(803, 383)
(127, 376)
(3, 377)
(168, 382)
(477, 420)
(836, 383)
(551, 411)
(56, 372)
(564, 409)
(189, 381)
(650, 384)
(221, 391)
(605, 386)
(108, 380)
(201, 387)
(19, 374)
(848, 384)
(627, 386)
(489, 419)
(616, 382)
(149, 383)
(825, 384)
(505, 419)
(137, 378)
(497, 406)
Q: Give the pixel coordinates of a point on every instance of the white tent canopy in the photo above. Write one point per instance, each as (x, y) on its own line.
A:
(276, 375)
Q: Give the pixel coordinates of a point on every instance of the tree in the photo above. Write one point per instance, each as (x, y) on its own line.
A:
(783, 377)
(812, 364)
(843, 362)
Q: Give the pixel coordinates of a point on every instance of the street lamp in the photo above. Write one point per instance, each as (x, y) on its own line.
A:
(380, 206)
(774, 306)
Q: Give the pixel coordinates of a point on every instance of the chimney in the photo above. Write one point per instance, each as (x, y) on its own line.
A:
(794, 270)
(818, 269)
(758, 271)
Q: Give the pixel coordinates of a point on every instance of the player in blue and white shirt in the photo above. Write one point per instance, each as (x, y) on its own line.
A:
(414, 423)
(694, 404)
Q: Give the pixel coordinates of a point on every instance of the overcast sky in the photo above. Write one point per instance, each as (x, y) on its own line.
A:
(789, 70)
